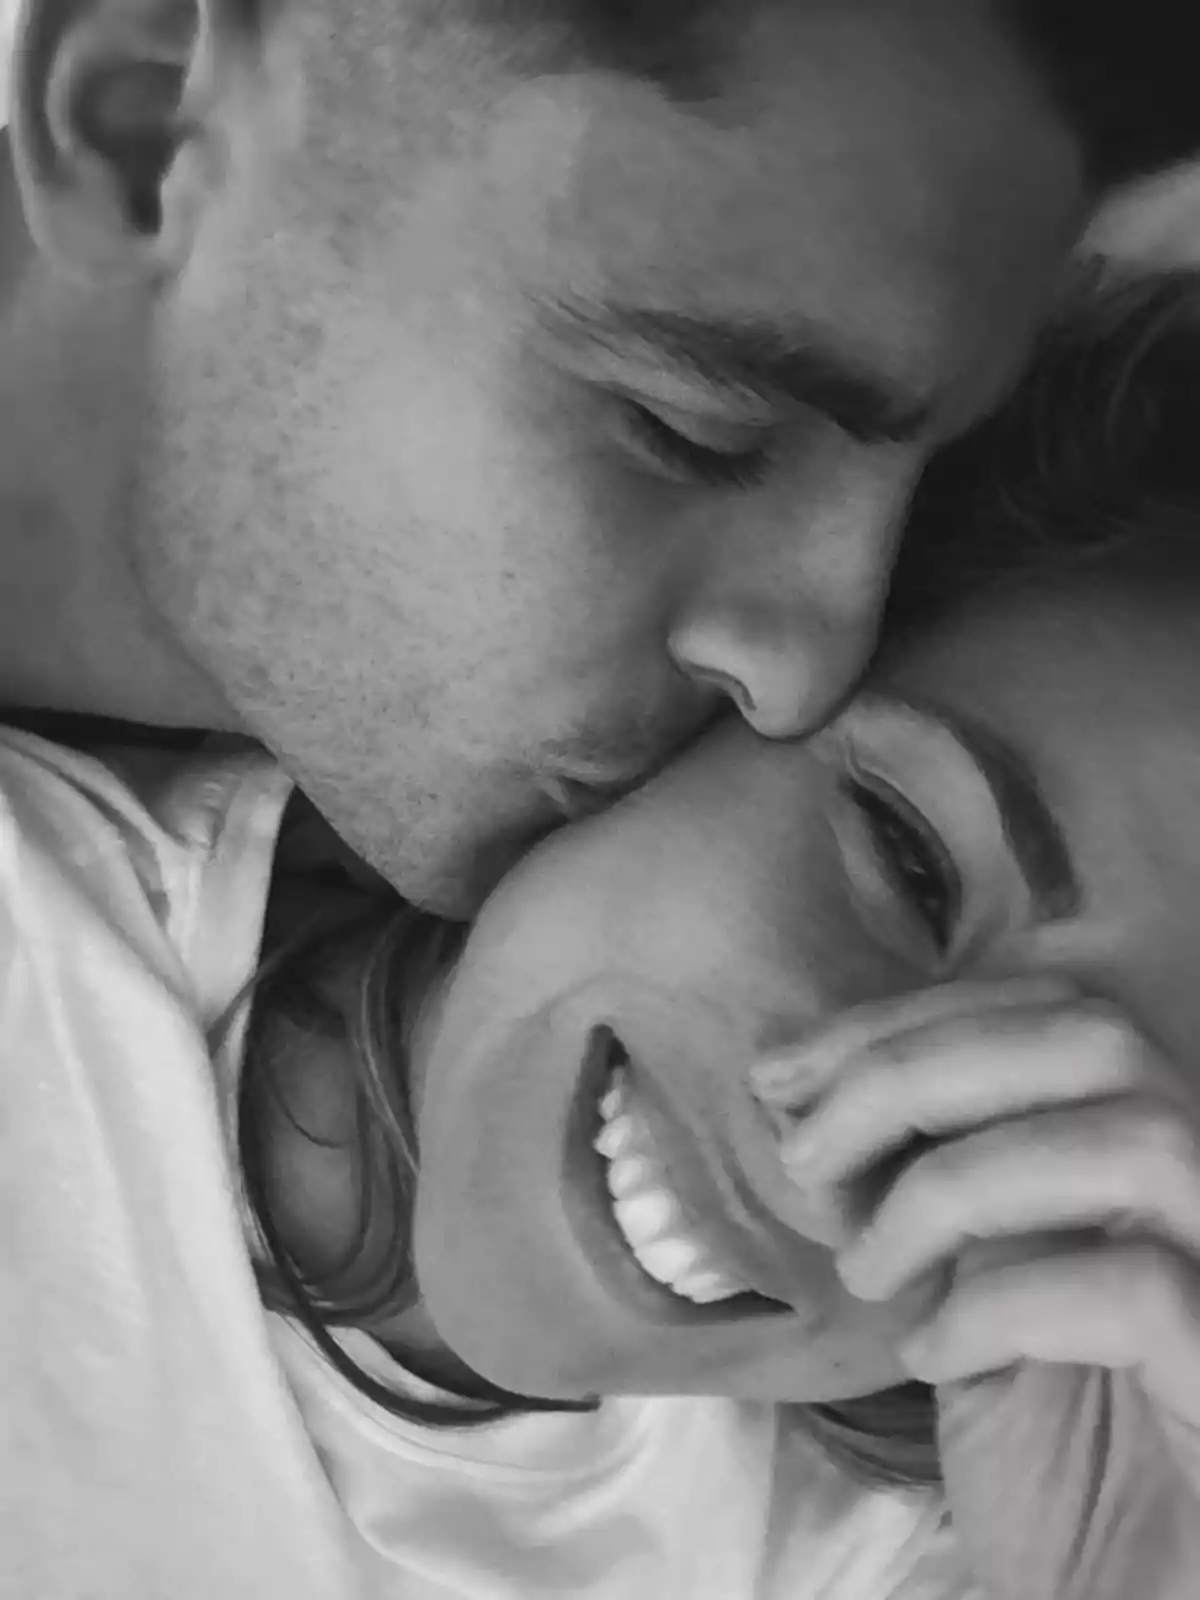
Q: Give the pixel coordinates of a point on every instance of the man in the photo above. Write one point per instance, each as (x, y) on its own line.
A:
(467, 399)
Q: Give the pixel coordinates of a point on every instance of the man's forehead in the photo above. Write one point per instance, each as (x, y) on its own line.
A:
(820, 200)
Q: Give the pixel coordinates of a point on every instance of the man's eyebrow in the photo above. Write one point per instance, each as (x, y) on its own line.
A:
(751, 356)
(1031, 827)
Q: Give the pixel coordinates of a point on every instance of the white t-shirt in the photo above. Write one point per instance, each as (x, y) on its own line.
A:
(161, 1436)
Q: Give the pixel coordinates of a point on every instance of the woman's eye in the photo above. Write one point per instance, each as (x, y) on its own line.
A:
(739, 463)
(917, 861)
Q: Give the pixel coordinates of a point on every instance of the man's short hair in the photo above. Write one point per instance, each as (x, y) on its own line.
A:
(1122, 74)
(677, 45)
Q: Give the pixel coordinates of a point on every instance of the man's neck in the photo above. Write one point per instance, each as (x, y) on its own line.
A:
(75, 632)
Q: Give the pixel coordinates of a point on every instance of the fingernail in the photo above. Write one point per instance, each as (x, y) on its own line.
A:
(855, 1266)
(799, 1152)
(919, 1353)
(863, 1273)
(785, 1077)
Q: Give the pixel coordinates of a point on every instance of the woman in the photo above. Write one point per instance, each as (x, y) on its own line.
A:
(732, 1095)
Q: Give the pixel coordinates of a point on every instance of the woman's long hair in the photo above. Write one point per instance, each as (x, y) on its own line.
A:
(397, 952)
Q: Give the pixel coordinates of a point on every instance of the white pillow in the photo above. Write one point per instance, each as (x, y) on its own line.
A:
(1155, 223)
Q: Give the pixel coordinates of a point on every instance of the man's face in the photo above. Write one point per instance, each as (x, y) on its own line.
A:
(487, 475)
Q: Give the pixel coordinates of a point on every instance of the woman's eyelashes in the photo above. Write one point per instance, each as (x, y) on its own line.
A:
(716, 455)
(912, 856)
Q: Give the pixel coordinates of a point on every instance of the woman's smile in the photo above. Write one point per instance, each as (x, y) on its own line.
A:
(632, 1224)
(692, 1275)
(670, 1242)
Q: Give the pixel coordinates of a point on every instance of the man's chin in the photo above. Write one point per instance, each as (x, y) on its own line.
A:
(455, 883)
(444, 895)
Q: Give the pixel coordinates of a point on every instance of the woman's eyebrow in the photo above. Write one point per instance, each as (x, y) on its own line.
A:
(1032, 829)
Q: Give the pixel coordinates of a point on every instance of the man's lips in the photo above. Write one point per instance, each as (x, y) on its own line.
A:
(584, 789)
(577, 798)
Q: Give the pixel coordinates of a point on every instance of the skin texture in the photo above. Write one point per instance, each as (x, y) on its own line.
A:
(1059, 1184)
(340, 477)
(979, 1135)
(767, 963)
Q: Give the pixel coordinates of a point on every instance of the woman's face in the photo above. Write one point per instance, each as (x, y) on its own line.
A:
(1016, 793)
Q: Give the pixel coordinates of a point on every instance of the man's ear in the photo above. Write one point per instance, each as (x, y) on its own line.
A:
(116, 125)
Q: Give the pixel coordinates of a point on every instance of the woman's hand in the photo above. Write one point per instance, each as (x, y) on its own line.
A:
(1029, 1158)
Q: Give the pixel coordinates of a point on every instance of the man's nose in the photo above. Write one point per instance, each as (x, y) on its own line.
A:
(782, 669)
(782, 618)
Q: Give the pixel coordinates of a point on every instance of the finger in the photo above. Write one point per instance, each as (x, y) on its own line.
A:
(1130, 1305)
(953, 1076)
(1127, 1165)
(793, 1074)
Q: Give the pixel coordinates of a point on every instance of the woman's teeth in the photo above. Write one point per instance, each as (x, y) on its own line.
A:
(646, 1209)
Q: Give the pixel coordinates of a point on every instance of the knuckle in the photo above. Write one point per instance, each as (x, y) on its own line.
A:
(888, 1055)
(1102, 1034)
(931, 1184)
(1164, 1136)
(1167, 1285)
(877, 1081)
